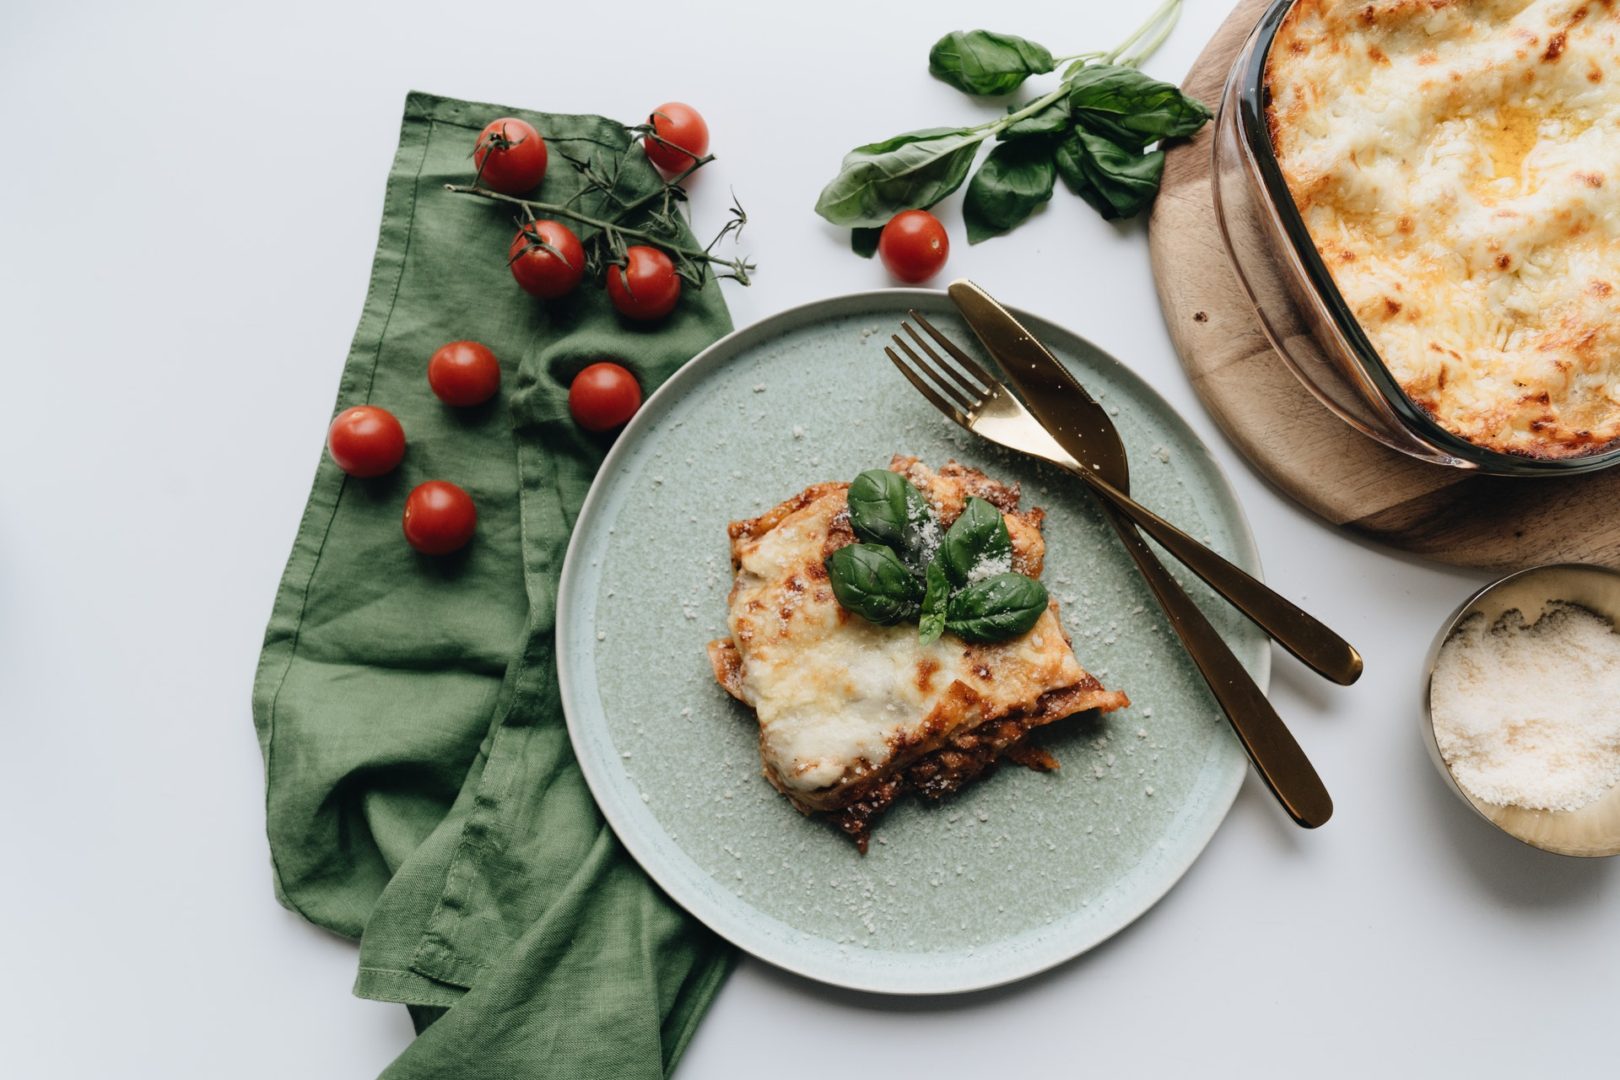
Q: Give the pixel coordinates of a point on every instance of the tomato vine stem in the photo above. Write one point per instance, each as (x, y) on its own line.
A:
(534, 209)
(607, 225)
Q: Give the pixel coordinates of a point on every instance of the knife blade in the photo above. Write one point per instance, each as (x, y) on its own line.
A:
(1080, 425)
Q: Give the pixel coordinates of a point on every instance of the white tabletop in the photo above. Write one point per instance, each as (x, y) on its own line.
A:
(188, 210)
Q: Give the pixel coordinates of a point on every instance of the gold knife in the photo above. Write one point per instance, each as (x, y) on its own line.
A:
(1083, 428)
(1276, 755)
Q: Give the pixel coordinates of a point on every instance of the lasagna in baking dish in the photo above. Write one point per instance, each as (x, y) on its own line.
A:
(1457, 164)
(853, 714)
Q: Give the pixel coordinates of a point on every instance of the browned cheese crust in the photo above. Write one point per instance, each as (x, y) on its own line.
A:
(977, 703)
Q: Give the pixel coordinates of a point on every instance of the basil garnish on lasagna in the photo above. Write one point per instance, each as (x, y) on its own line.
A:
(942, 660)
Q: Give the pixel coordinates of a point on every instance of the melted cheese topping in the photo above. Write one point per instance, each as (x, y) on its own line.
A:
(1457, 163)
(839, 698)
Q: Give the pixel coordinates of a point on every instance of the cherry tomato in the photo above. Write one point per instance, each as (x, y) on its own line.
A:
(540, 272)
(510, 156)
(366, 441)
(464, 373)
(646, 287)
(439, 518)
(685, 137)
(914, 245)
(603, 396)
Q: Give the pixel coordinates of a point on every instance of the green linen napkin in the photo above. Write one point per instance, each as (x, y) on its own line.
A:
(422, 795)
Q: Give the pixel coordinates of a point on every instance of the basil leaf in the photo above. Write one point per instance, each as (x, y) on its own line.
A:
(1052, 120)
(1015, 179)
(982, 62)
(978, 535)
(1130, 108)
(886, 508)
(879, 508)
(871, 581)
(1067, 159)
(864, 242)
(996, 608)
(935, 600)
(1116, 182)
(907, 172)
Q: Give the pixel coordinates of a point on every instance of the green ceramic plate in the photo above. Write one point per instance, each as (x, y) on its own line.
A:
(1020, 872)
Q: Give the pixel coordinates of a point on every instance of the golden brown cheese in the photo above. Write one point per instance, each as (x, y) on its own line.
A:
(850, 713)
(1457, 163)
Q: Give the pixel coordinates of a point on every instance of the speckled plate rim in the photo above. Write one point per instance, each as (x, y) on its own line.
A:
(727, 914)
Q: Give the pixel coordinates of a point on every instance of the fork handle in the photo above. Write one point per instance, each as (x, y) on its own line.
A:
(1270, 746)
(1289, 625)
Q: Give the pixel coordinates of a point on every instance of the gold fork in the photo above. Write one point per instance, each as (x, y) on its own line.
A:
(969, 395)
(1099, 461)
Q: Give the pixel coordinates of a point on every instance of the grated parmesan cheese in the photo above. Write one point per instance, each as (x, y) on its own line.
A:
(988, 566)
(1528, 714)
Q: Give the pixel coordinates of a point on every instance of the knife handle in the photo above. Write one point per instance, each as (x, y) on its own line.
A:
(1270, 746)
(1295, 629)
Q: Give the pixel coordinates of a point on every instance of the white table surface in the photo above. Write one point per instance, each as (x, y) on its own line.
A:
(188, 210)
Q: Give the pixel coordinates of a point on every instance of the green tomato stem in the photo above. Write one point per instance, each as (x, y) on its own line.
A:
(544, 209)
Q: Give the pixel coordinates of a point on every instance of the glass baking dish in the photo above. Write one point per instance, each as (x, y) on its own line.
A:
(1300, 308)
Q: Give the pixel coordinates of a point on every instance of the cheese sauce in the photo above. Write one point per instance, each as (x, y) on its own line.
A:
(1458, 166)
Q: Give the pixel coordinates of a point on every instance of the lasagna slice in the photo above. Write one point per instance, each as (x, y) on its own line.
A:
(852, 715)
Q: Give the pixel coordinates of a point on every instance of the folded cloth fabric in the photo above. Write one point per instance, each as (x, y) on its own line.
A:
(421, 792)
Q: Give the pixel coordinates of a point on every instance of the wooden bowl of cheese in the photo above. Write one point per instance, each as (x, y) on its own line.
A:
(1522, 707)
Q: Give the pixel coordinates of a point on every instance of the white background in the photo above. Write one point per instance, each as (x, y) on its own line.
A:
(188, 208)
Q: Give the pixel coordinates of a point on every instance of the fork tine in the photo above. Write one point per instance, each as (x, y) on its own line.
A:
(973, 388)
(927, 391)
(974, 368)
(969, 402)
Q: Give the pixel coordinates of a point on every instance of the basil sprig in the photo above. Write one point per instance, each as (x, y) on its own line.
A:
(1116, 182)
(996, 608)
(1014, 181)
(936, 601)
(1124, 105)
(871, 581)
(982, 62)
(880, 179)
(901, 569)
(1096, 131)
(978, 536)
(886, 508)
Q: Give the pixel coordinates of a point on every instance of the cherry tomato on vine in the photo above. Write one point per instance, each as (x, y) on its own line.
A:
(510, 156)
(543, 273)
(646, 287)
(685, 137)
(914, 245)
(439, 518)
(366, 441)
(603, 396)
(464, 373)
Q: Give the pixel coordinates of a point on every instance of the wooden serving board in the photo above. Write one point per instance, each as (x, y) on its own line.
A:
(1292, 440)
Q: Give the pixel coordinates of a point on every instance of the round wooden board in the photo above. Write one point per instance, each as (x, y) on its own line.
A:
(1292, 440)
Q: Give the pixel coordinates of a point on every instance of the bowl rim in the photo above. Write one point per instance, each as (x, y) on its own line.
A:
(1252, 96)
(1463, 610)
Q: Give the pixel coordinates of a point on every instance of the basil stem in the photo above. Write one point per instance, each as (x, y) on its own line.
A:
(935, 600)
